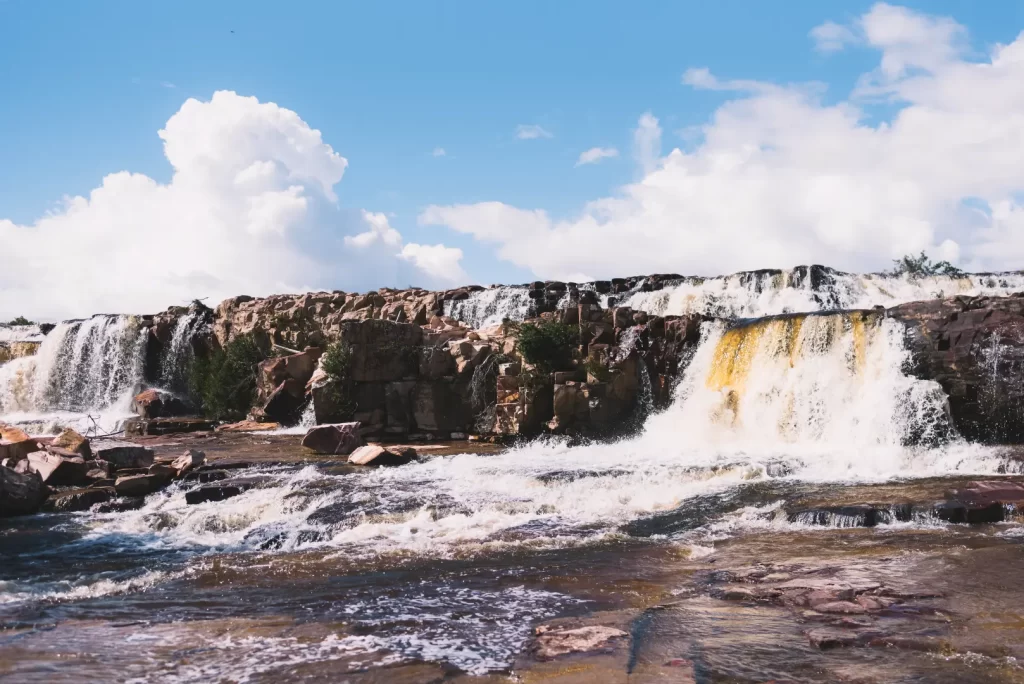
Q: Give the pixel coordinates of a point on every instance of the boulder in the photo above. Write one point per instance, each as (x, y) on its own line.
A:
(138, 485)
(298, 368)
(121, 454)
(339, 439)
(21, 493)
(438, 407)
(16, 444)
(221, 490)
(72, 441)
(380, 456)
(284, 404)
(188, 461)
(155, 403)
(58, 471)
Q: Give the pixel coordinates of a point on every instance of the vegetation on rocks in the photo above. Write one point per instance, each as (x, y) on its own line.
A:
(921, 266)
(548, 345)
(224, 382)
(20, 320)
(336, 363)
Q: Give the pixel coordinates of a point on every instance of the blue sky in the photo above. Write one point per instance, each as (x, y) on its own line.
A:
(86, 88)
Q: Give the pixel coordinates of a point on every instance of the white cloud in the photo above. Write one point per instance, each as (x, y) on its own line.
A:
(250, 209)
(832, 37)
(596, 154)
(532, 132)
(647, 142)
(779, 177)
(443, 263)
(439, 152)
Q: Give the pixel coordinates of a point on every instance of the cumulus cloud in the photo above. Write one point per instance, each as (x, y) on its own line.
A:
(780, 177)
(532, 132)
(441, 264)
(832, 37)
(250, 209)
(596, 154)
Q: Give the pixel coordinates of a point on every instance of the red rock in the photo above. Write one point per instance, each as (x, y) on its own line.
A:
(338, 439)
(379, 456)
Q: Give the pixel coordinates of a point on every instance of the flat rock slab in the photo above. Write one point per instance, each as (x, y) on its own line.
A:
(121, 454)
(371, 455)
(223, 490)
(81, 500)
(139, 485)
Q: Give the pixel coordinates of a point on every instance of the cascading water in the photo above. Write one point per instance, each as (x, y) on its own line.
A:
(491, 306)
(802, 289)
(175, 362)
(82, 367)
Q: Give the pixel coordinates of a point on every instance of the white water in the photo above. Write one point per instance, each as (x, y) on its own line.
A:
(20, 333)
(825, 402)
(491, 306)
(83, 376)
(753, 295)
(179, 351)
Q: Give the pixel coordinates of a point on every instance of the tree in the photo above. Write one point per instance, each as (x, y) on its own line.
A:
(21, 320)
(921, 266)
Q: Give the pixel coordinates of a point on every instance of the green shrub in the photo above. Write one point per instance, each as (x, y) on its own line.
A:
(336, 363)
(548, 345)
(21, 320)
(224, 382)
(921, 266)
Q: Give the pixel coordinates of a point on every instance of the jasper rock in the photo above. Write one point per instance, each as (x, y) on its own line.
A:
(138, 485)
(339, 439)
(57, 470)
(21, 493)
(155, 403)
(72, 441)
(191, 459)
(380, 456)
(554, 642)
(121, 454)
(81, 500)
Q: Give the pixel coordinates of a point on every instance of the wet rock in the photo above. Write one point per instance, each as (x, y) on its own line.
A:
(842, 607)
(122, 505)
(72, 441)
(59, 471)
(221, 491)
(121, 454)
(188, 461)
(18, 450)
(371, 455)
(81, 500)
(959, 512)
(155, 403)
(284, 404)
(168, 426)
(206, 476)
(248, 426)
(163, 471)
(826, 638)
(988, 492)
(552, 642)
(20, 493)
(339, 439)
(138, 485)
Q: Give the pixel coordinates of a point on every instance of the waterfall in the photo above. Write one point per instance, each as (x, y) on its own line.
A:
(179, 354)
(809, 288)
(812, 379)
(87, 366)
(491, 306)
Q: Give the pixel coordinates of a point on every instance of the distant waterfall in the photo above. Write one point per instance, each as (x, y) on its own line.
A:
(491, 306)
(755, 294)
(179, 353)
(81, 366)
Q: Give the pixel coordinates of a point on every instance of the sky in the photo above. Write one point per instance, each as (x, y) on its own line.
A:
(153, 153)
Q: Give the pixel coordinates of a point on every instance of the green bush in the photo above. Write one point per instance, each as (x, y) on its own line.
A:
(336, 362)
(21, 320)
(921, 266)
(548, 345)
(224, 382)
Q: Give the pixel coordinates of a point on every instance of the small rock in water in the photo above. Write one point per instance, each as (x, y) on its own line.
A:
(138, 485)
(379, 456)
(554, 642)
(188, 461)
(339, 439)
(58, 470)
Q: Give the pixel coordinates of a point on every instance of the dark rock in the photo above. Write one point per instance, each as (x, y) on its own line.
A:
(122, 505)
(155, 403)
(221, 491)
(20, 493)
(827, 638)
(206, 476)
(438, 407)
(339, 439)
(81, 500)
(285, 403)
(169, 426)
(120, 454)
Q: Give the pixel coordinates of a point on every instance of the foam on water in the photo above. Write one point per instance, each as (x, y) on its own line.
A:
(491, 306)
